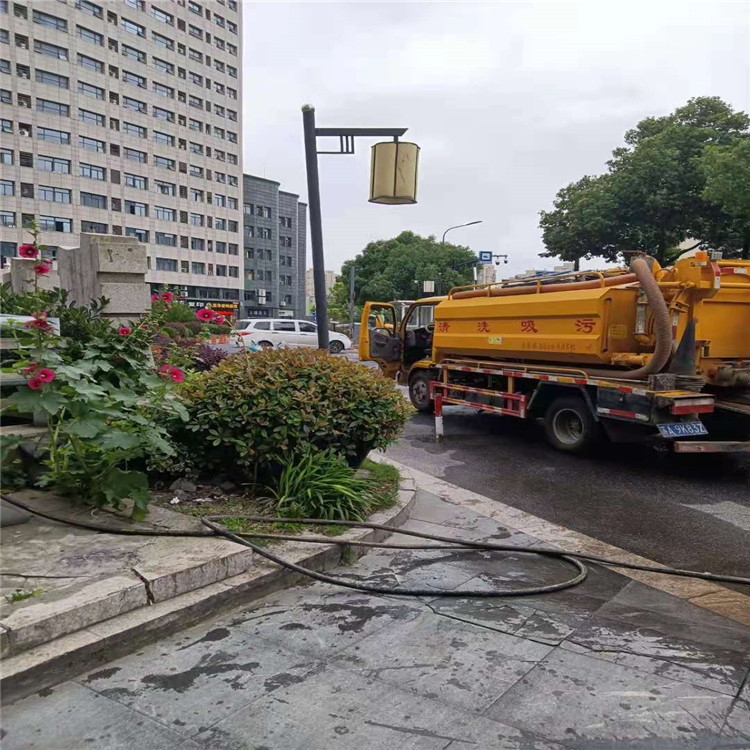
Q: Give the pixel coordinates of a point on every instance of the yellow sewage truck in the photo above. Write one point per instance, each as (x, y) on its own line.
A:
(644, 353)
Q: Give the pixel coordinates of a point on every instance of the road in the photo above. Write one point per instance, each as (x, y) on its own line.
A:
(684, 511)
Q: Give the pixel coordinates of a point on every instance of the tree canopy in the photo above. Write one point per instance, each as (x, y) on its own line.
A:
(684, 175)
(389, 269)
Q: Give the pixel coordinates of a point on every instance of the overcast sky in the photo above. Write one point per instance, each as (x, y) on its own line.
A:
(508, 100)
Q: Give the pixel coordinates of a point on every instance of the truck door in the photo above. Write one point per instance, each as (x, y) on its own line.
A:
(379, 339)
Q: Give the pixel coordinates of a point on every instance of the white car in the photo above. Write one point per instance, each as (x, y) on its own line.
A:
(274, 331)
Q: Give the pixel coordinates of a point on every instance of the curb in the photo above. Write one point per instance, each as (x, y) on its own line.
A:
(718, 599)
(62, 658)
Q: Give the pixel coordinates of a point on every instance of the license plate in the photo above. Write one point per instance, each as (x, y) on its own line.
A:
(682, 429)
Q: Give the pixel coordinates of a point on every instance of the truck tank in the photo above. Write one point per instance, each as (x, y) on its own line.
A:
(614, 321)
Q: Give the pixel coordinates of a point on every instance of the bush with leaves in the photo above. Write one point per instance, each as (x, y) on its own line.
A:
(255, 413)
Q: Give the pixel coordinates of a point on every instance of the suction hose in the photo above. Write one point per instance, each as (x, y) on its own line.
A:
(662, 326)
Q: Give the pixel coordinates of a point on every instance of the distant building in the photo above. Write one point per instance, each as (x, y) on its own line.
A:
(562, 268)
(275, 235)
(486, 274)
(310, 287)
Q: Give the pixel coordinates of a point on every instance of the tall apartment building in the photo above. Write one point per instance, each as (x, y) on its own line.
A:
(275, 235)
(330, 279)
(123, 117)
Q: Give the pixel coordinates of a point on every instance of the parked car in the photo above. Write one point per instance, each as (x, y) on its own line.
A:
(273, 332)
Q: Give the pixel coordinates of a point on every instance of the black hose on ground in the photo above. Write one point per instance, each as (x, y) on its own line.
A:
(571, 558)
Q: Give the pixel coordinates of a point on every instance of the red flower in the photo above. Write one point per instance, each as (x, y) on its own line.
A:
(164, 370)
(28, 370)
(28, 251)
(42, 268)
(124, 331)
(154, 297)
(167, 296)
(220, 319)
(205, 314)
(177, 375)
(45, 375)
(35, 383)
(38, 323)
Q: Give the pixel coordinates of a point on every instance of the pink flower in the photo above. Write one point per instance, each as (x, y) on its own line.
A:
(28, 370)
(35, 383)
(28, 251)
(40, 269)
(45, 375)
(177, 375)
(220, 319)
(167, 296)
(205, 314)
(124, 331)
(154, 297)
(164, 370)
(39, 323)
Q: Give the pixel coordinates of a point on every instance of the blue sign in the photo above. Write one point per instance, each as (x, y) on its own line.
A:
(485, 256)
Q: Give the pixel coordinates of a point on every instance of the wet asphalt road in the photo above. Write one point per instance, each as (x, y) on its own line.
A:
(684, 511)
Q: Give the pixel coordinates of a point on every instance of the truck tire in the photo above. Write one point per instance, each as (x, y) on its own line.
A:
(569, 425)
(419, 393)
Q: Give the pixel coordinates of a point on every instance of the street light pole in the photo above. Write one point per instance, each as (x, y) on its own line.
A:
(316, 225)
(346, 138)
(458, 226)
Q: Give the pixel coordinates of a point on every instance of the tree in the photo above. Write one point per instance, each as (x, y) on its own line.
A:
(727, 172)
(388, 269)
(654, 194)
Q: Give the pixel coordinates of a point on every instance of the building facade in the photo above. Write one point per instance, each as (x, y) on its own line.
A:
(275, 240)
(124, 118)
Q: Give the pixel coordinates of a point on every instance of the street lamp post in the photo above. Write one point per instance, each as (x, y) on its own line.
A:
(393, 182)
(458, 226)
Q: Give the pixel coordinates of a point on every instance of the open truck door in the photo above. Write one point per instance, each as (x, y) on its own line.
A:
(379, 339)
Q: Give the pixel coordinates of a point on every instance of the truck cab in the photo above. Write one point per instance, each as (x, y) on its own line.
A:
(398, 336)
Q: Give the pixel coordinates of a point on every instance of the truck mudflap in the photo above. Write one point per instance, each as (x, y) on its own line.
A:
(711, 446)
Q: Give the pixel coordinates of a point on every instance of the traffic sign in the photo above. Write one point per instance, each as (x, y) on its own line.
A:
(485, 256)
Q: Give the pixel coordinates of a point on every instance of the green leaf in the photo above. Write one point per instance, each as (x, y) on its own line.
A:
(24, 400)
(52, 401)
(85, 428)
(119, 439)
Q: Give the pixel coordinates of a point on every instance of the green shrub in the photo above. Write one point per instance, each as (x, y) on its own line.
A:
(255, 413)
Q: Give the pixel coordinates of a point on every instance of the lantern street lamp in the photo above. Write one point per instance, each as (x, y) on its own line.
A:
(393, 181)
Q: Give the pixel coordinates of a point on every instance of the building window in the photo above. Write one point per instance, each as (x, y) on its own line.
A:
(140, 234)
(162, 114)
(90, 63)
(220, 223)
(196, 195)
(165, 188)
(52, 108)
(163, 65)
(90, 36)
(163, 138)
(196, 79)
(134, 104)
(87, 89)
(195, 101)
(135, 4)
(166, 214)
(160, 15)
(196, 148)
(136, 181)
(133, 28)
(53, 164)
(197, 244)
(93, 227)
(196, 220)
(90, 144)
(7, 219)
(198, 268)
(84, 115)
(92, 172)
(51, 135)
(221, 270)
(196, 125)
(164, 238)
(194, 55)
(50, 21)
(193, 7)
(93, 200)
(55, 224)
(135, 208)
(264, 233)
(51, 50)
(194, 31)
(134, 155)
(6, 97)
(86, 7)
(162, 41)
(133, 78)
(6, 156)
(132, 129)
(162, 161)
(8, 187)
(165, 264)
(133, 54)
(184, 266)
(51, 79)
(162, 90)
(232, 203)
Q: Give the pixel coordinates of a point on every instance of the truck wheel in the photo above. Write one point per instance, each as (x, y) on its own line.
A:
(419, 393)
(569, 425)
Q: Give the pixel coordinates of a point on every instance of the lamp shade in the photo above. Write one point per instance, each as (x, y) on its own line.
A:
(393, 174)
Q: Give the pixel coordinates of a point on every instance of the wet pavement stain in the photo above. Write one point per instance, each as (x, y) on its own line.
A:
(102, 674)
(207, 667)
(217, 634)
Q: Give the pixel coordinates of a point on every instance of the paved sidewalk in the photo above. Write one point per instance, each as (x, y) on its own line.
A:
(612, 663)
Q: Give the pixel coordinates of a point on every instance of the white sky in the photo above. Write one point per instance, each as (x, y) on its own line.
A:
(508, 100)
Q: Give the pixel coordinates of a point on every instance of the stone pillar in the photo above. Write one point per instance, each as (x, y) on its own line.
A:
(107, 266)
(22, 276)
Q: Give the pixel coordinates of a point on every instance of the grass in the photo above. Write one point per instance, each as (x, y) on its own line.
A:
(384, 494)
(20, 595)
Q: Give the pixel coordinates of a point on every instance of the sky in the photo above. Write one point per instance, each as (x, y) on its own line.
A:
(509, 102)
